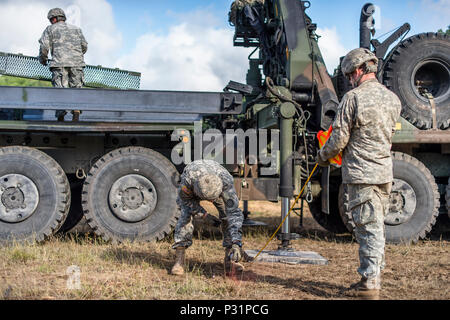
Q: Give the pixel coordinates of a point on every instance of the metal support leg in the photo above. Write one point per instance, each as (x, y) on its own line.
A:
(285, 227)
(245, 212)
(287, 112)
(249, 222)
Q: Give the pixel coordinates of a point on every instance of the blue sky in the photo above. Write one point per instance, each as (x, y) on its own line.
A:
(187, 44)
(137, 17)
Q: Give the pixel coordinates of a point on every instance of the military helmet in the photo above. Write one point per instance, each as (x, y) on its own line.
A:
(356, 58)
(208, 187)
(56, 12)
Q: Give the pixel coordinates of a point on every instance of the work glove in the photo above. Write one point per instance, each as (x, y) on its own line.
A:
(43, 60)
(235, 253)
(212, 220)
(321, 162)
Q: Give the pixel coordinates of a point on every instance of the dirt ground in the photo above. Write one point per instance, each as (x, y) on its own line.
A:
(85, 267)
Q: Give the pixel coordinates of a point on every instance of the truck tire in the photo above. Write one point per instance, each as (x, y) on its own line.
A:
(331, 222)
(35, 195)
(130, 195)
(424, 57)
(414, 202)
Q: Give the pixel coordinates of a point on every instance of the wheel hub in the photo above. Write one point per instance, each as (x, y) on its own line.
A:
(19, 198)
(402, 203)
(132, 198)
(432, 76)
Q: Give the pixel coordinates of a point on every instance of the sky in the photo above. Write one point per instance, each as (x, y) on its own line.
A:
(187, 44)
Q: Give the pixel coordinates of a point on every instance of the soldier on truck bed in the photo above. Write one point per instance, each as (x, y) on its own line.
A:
(208, 180)
(363, 130)
(67, 46)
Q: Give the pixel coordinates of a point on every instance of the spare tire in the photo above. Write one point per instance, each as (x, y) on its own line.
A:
(418, 65)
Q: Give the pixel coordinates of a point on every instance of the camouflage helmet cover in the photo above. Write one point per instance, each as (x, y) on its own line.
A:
(208, 187)
(356, 58)
(56, 12)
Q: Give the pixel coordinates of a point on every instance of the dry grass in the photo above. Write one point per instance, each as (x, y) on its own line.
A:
(141, 271)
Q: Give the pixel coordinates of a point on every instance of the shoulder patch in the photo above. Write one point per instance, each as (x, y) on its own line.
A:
(186, 190)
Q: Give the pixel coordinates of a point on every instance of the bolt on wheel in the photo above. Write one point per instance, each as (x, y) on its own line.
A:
(132, 198)
(19, 198)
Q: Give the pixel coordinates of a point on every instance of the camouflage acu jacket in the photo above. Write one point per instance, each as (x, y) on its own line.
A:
(66, 44)
(198, 168)
(363, 131)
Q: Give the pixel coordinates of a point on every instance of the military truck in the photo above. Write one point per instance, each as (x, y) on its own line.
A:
(117, 164)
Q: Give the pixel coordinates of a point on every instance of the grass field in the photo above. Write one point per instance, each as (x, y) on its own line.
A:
(85, 267)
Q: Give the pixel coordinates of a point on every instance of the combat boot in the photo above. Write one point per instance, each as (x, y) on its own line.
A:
(231, 265)
(367, 288)
(76, 115)
(178, 267)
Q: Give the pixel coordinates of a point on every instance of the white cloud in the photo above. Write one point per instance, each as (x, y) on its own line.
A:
(193, 55)
(434, 14)
(331, 47)
(22, 23)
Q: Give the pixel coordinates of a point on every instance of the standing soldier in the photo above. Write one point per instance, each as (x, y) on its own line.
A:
(67, 46)
(363, 131)
(208, 180)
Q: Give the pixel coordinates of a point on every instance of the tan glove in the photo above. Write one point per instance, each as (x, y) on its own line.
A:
(235, 253)
(43, 60)
(321, 162)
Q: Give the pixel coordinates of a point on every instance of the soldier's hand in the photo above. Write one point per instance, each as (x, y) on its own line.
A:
(212, 220)
(321, 162)
(235, 253)
(43, 61)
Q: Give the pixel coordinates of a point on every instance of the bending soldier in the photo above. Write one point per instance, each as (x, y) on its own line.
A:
(363, 130)
(67, 46)
(208, 180)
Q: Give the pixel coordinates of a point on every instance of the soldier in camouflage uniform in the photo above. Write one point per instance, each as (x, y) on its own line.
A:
(363, 131)
(67, 46)
(208, 180)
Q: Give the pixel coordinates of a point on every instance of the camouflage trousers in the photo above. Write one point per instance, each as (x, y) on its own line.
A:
(231, 226)
(368, 205)
(68, 77)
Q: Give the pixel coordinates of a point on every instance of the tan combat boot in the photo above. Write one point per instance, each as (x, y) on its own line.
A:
(76, 115)
(178, 267)
(367, 288)
(231, 265)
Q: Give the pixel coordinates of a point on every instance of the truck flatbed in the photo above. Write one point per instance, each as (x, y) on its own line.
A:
(114, 106)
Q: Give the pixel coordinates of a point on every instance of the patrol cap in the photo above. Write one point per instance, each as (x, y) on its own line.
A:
(208, 187)
(56, 12)
(356, 58)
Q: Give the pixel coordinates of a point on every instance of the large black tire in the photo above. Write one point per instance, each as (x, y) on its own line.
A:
(34, 193)
(130, 194)
(414, 202)
(331, 222)
(424, 57)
